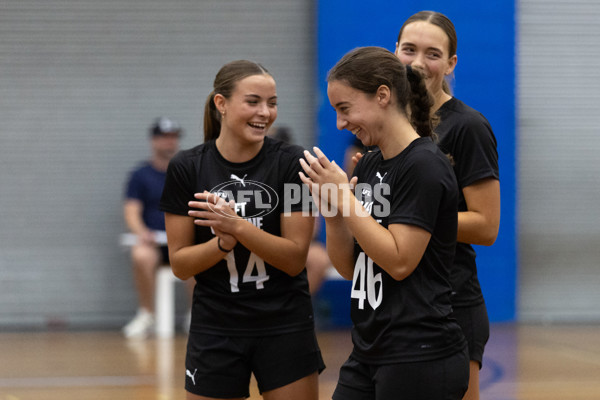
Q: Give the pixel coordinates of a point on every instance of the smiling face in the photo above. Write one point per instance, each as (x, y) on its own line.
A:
(356, 111)
(250, 110)
(426, 47)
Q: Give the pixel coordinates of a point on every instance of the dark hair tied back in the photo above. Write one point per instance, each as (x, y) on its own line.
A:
(367, 68)
(421, 103)
(212, 118)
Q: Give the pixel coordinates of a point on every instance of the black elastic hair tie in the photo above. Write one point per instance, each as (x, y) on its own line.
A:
(220, 247)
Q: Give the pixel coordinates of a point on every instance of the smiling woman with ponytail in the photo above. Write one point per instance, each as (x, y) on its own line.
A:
(252, 311)
(395, 236)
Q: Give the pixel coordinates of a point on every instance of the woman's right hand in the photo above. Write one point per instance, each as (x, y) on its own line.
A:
(319, 171)
(356, 158)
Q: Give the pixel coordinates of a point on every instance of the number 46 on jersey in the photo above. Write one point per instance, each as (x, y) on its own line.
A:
(364, 283)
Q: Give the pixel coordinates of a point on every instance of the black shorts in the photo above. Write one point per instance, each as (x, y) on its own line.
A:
(442, 379)
(475, 325)
(220, 366)
(164, 254)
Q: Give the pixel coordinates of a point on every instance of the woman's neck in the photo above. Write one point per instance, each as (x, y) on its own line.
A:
(396, 136)
(235, 151)
(439, 99)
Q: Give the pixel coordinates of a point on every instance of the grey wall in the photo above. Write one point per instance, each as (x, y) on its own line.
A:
(559, 163)
(81, 81)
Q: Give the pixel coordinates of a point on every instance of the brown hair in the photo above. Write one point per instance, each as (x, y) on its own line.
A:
(227, 77)
(367, 68)
(441, 21)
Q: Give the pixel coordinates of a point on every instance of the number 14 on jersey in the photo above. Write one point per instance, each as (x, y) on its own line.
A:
(255, 263)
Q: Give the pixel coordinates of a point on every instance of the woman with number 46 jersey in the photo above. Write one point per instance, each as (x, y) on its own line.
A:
(394, 236)
(226, 226)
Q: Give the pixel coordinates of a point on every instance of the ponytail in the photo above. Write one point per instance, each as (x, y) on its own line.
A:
(420, 104)
(367, 68)
(212, 119)
(446, 87)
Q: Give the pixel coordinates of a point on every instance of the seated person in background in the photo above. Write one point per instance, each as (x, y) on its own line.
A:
(143, 218)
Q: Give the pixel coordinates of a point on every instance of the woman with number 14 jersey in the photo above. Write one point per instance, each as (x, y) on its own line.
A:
(394, 236)
(226, 225)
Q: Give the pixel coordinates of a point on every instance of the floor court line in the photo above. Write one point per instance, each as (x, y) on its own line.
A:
(78, 381)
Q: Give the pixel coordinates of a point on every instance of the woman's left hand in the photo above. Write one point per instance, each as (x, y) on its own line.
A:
(319, 171)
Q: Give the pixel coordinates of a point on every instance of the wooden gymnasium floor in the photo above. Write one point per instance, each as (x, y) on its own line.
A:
(523, 362)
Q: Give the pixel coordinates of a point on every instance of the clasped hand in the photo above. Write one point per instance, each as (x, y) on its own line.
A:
(319, 171)
(218, 214)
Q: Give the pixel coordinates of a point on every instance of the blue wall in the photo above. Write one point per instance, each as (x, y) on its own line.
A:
(484, 79)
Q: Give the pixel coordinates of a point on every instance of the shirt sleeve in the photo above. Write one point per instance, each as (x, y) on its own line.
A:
(134, 188)
(178, 189)
(418, 191)
(475, 153)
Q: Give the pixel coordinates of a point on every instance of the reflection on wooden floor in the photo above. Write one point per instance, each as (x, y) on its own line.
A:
(522, 362)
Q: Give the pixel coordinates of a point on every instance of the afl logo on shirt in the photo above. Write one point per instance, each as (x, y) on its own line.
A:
(252, 198)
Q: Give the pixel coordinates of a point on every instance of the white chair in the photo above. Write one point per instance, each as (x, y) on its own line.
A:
(164, 302)
(164, 295)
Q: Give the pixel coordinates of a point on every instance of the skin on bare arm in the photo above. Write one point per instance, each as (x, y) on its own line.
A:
(286, 252)
(480, 224)
(188, 258)
(317, 265)
(339, 239)
(340, 246)
(132, 212)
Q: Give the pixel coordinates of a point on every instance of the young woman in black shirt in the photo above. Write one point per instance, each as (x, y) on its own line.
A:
(227, 226)
(394, 235)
